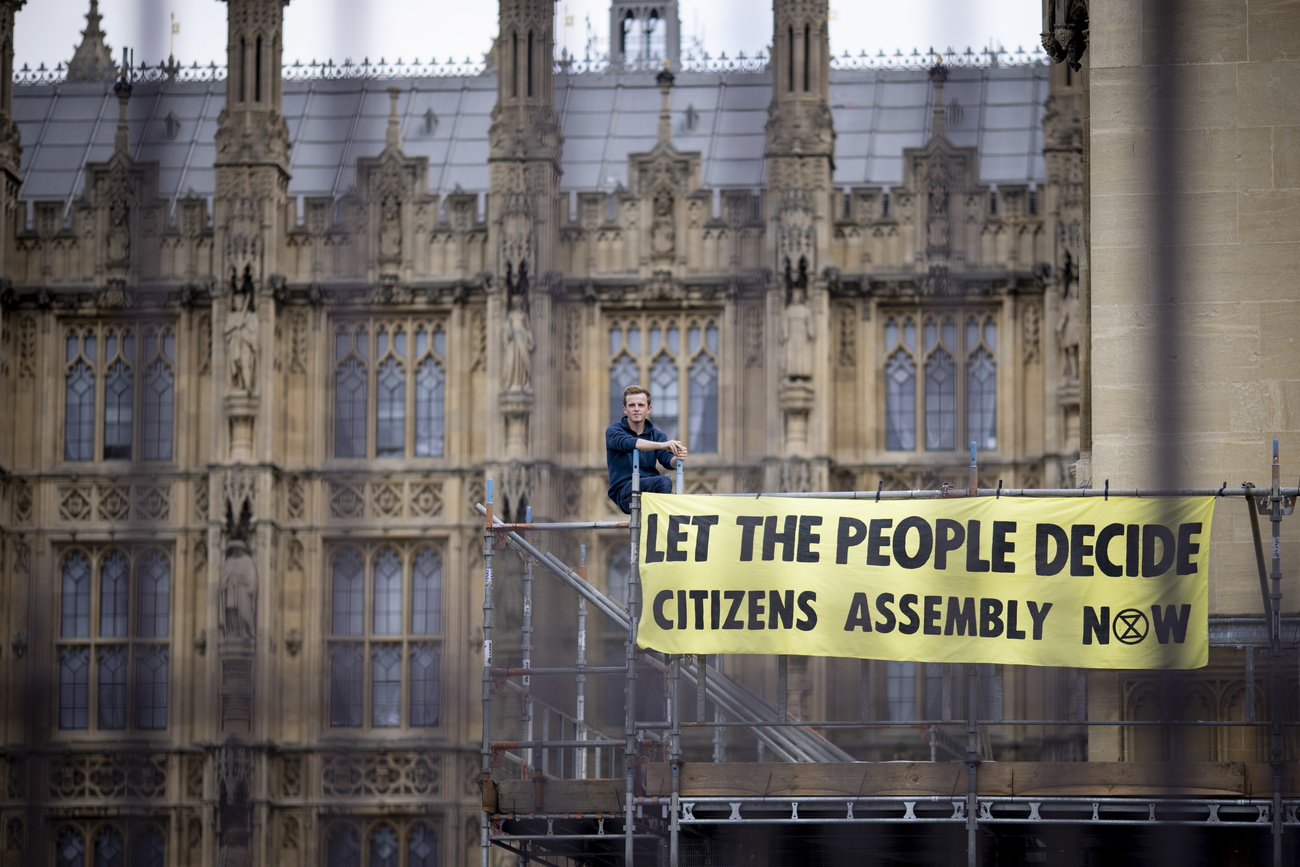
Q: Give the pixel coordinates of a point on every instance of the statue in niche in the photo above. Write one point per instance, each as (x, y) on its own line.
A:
(1067, 326)
(797, 327)
(241, 332)
(519, 343)
(938, 231)
(390, 228)
(119, 231)
(238, 588)
(663, 232)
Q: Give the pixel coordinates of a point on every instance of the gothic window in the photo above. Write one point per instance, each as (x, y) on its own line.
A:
(955, 387)
(385, 625)
(389, 388)
(119, 392)
(114, 639)
(106, 845)
(387, 843)
(682, 376)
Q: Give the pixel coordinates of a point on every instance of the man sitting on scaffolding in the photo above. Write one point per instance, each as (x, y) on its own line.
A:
(636, 432)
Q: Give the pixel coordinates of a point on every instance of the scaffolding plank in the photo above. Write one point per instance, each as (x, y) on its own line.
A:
(561, 796)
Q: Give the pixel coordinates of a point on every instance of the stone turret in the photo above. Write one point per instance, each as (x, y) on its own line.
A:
(93, 59)
(643, 34)
(524, 142)
(800, 159)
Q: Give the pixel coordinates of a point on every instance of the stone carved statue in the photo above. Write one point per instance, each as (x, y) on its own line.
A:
(797, 327)
(238, 588)
(119, 232)
(390, 228)
(663, 234)
(1067, 325)
(519, 342)
(241, 333)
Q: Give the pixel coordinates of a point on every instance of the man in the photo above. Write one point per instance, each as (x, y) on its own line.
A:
(635, 432)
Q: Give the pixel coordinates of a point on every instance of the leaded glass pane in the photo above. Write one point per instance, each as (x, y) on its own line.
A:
(426, 593)
(390, 410)
(982, 400)
(622, 374)
(118, 399)
(75, 620)
(79, 421)
(386, 685)
(348, 594)
(147, 849)
(158, 410)
(667, 395)
(343, 848)
(940, 402)
(151, 688)
(425, 676)
(112, 687)
(350, 410)
(900, 402)
(345, 685)
(114, 583)
(70, 849)
(383, 847)
(74, 687)
(704, 405)
(109, 851)
(155, 596)
(387, 594)
(430, 408)
(900, 690)
(422, 847)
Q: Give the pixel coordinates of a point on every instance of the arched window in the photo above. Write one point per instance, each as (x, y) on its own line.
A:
(342, 848)
(940, 385)
(390, 394)
(900, 384)
(70, 848)
(351, 347)
(422, 847)
(683, 380)
(104, 386)
(109, 851)
(159, 394)
(119, 393)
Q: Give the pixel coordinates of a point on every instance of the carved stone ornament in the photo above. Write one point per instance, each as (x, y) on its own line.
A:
(238, 588)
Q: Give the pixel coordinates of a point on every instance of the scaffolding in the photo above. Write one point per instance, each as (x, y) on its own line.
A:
(561, 790)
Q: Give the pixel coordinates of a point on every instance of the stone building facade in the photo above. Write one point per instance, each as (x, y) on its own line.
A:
(257, 367)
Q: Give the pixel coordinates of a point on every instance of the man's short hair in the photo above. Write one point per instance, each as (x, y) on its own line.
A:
(636, 389)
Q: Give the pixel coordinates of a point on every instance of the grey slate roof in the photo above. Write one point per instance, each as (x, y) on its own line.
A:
(604, 117)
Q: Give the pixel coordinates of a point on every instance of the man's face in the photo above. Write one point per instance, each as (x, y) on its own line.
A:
(636, 407)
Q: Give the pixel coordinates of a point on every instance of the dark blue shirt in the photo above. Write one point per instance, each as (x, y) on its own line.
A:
(620, 441)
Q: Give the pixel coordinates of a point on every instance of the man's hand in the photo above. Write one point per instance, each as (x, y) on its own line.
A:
(677, 447)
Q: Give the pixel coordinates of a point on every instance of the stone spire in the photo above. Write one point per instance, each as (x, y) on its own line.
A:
(939, 112)
(643, 35)
(665, 81)
(393, 134)
(93, 59)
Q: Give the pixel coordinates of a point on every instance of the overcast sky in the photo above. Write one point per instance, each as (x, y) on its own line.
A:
(48, 30)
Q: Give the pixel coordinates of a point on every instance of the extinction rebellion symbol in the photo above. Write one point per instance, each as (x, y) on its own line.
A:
(1131, 626)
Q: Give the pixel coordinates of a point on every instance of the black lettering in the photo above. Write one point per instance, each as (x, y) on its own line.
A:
(973, 561)
(907, 607)
(948, 536)
(1108, 567)
(882, 602)
(1080, 549)
(705, 523)
(961, 616)
(698, 596)
(876, 539)
(932, 615)
(756, 609)
(1043, 563)
(859, 617)
(1170, 623)
(661, 599)
(1187, 549)
(808, 622)
(807, 538)
(1002, 546)
(780, 607)
(851, 532)
(1132, 549)
(1012, 631)
(748, 524)
(925, 538)
(990, 618)
(682, 622)
(652, 553)
(1096, 624)
(785, 538)
(676, 536)
(715, 609)
(736, 598)
(1039, 616)
(1151, 533)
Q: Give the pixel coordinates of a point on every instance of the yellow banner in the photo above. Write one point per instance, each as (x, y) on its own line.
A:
(1080, 582)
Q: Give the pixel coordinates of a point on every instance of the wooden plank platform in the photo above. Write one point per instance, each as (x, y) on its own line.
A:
(904, 779)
